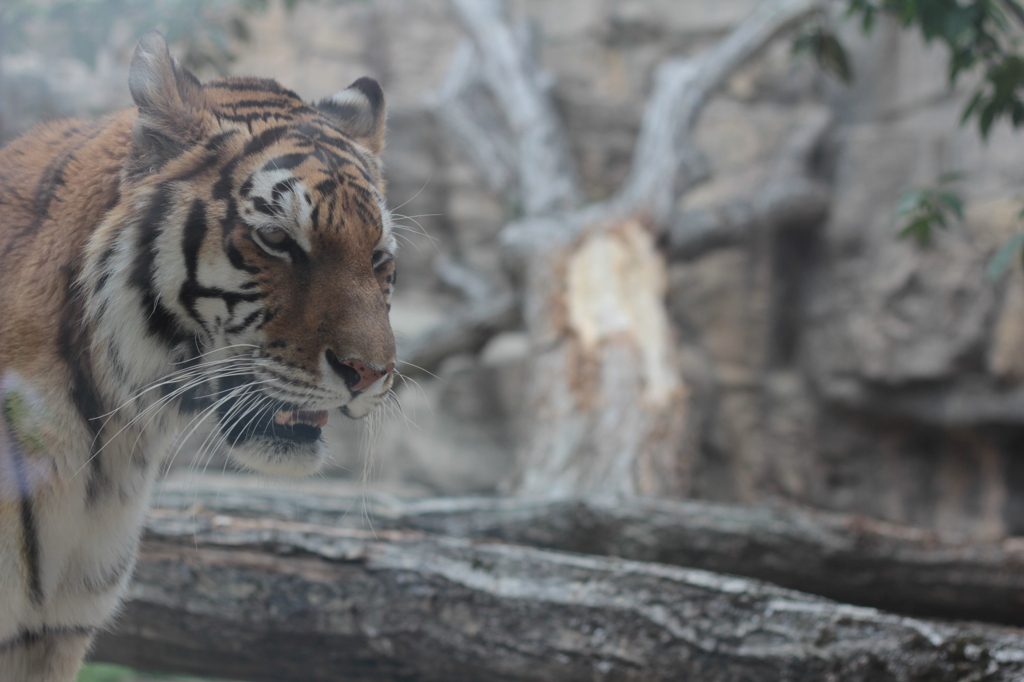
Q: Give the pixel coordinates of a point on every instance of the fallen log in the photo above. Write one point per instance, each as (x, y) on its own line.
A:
(847, 558)
(281, 600)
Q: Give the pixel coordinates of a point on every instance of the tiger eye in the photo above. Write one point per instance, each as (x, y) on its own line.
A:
(274, 236)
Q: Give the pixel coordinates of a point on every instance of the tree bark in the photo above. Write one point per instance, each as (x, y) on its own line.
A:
(608, 409)
(281, 600)
(847, 558)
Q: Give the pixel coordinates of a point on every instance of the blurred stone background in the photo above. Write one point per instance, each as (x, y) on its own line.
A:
(836, 366)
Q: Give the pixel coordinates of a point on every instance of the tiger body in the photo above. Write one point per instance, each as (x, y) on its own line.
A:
(220, 253)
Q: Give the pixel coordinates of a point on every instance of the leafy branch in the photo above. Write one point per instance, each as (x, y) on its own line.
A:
(921, 210)
(980, 35)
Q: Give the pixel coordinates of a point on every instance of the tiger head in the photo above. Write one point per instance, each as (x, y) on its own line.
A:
(264, 252)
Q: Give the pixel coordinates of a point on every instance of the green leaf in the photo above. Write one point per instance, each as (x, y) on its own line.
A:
(909, 202)
(988, 114)
(833, 56)
(953, 203)
(1001, 260)
(972, 105)
(920, 229)
(868, 22)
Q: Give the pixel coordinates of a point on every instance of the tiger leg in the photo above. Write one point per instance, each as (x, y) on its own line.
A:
(50, 658)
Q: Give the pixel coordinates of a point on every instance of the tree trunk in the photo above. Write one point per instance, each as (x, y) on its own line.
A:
(606, 404)
(279, 600)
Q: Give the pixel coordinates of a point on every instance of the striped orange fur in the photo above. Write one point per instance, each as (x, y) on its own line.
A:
(222, 253)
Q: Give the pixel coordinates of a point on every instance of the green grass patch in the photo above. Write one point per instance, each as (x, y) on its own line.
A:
(105, 672)
(108, 672)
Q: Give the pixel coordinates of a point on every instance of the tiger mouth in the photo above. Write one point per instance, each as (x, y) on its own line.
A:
(252, 416)
(316, 418)
(283, 424)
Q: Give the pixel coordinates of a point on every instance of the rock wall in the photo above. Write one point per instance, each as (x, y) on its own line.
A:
(834, 366)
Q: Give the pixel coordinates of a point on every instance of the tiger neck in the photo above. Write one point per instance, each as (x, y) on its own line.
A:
(138, 352)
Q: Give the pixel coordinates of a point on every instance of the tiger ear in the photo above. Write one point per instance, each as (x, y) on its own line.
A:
(361, 112)
(170, 99)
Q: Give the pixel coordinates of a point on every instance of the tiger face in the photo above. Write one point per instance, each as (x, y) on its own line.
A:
(264, 249)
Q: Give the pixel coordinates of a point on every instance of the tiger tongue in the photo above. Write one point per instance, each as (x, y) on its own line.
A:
(313, 418)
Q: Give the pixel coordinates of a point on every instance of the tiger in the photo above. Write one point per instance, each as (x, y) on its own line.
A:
(221, 253)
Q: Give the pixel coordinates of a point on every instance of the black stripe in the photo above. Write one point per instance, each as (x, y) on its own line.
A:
(327, 186)
(278, 190)
(160, 321)
(192, 243)
(110, 577)
(102, 265)
(254, 85)
(264, 140)
(255, 116)
(249, 319)
(314, 218)
(322, 134)
(150, 228)
(227, 225)
(331, 159)
(268, 102)
(222, 189)
(194, 399)
(30, 637)
(191, 290)
(53, 176)
(285, 162)
(50, 181)
(265, 207)
(217, 141)
(73, 344)
(29, 532)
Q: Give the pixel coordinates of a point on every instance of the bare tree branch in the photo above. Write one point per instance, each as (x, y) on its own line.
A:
(547, 173)
(659, 173)
(461, 106)
(466, 331)
(471, 285)
(665, 163)
(790, 199)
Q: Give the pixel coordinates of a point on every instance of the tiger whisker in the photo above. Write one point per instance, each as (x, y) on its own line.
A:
(166, 400)
(219, 439)
(205, 413)
(425, 183)
(159, 404)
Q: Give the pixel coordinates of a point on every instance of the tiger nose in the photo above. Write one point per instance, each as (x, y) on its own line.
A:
(358, 374)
